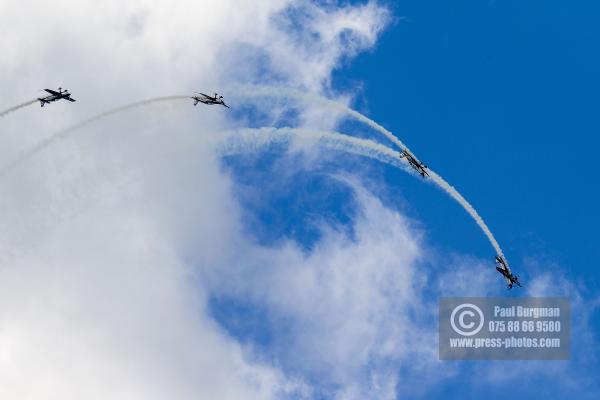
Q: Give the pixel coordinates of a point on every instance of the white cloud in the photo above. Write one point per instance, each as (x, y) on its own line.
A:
(351, 310)
(94, 318)
(104, 233)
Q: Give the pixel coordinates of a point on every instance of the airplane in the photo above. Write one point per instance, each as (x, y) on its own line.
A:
(505, 271)
(54, 95)
(206, 99)
(416, 164)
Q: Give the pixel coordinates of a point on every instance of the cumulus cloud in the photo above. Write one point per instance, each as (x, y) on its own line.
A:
(347, 309)
(108, 235)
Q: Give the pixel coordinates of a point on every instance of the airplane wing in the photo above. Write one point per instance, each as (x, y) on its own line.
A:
(505, 274)
(52, 92)
(70, 99)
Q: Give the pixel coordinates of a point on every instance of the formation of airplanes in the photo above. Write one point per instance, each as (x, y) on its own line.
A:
(501, 265)
(54, 95)
(64, 94)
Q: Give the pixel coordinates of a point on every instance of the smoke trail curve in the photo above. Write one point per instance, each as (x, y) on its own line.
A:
(468, 208)
(261, 91)
(233, 142)
(15, 108)
(251, 139)
(65, 132)
(251, 91)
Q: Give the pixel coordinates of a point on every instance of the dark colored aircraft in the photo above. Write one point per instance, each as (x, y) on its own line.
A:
(416, 164)
(502, 267)
(54, 95)
(206, 99)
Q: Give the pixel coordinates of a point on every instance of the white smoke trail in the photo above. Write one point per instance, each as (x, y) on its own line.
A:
(261, 91)
(15, 108)
(253, 139)
(245, 140)
(251, 91)
(65, 132)
(231, 143)
(267, 91)
(468, 208)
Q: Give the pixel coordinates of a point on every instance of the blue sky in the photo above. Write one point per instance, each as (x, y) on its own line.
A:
(500, 98)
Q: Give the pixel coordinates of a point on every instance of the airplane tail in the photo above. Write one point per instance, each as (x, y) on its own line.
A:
(518, 283)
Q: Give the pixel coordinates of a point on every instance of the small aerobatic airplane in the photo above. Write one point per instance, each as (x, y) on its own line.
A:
(416, 164)
(54, 95)
(502, 267)
(206, 99)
